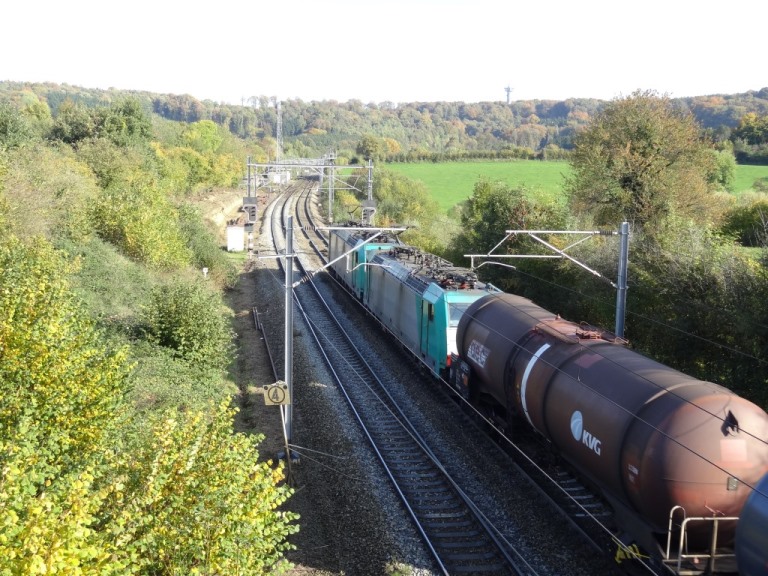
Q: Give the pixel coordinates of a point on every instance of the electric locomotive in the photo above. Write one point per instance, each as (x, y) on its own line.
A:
(418, 297)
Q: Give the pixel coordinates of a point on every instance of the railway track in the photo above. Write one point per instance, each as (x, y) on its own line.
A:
(460, 538)
(460, 543)
(579, 506)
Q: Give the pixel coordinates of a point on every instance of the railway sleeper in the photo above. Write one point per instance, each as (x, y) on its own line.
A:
(430, 494)
(474, 570)
(454, 544)
(445, 516)
(445, 535)
(435, 506)
(473, 557)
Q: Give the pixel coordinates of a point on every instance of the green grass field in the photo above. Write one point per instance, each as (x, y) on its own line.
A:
(452, 182)
(746, 177)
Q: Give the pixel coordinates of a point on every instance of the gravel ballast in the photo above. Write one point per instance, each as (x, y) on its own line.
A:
(352, 522)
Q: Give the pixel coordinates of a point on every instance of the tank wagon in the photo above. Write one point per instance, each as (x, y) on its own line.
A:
(417, 296)
(752, 533)
(650, 438)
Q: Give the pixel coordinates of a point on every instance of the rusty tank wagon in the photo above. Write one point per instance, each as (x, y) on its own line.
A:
(658, 444)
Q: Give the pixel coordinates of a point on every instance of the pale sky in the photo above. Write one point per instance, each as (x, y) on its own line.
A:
(392, 50)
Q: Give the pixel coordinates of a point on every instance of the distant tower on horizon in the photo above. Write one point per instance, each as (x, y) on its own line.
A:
(508, 90)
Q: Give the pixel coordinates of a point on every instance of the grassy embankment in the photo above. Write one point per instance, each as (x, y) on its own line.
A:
(452, 182)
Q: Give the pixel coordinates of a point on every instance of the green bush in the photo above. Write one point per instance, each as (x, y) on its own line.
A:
(59, 393)
(188, 319)
(748, 221)
(195, 500)
(138, 218)
(15, 129)
(52, 364)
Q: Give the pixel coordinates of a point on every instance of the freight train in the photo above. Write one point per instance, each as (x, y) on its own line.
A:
(683, 463)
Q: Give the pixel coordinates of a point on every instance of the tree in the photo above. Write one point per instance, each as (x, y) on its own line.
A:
(643, 161)
(39, 115)
(371, 147)
(392, 146)
(202, 137)
(15, 130)
(401, 200)
(124, 122)
(753, 129)
(725, 168)
(73, 123)
(493, 208)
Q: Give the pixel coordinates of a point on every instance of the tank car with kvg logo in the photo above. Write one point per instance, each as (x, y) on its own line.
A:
(657, 443)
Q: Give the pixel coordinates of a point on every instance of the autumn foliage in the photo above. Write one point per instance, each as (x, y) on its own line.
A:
(102, 471)
(87, 489)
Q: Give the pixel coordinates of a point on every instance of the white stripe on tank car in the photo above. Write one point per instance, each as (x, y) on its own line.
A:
(524, 383)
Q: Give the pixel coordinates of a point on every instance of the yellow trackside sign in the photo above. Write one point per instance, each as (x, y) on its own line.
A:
(276, 394)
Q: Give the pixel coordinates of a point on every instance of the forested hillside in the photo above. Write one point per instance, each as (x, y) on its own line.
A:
(406, 131)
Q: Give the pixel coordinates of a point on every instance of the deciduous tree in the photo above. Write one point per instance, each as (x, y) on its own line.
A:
(202, 136)
(73, 123)
(124, 122)
(495, 207)
(753, 129)
(371, 147)
(15, 130)
(643, 161)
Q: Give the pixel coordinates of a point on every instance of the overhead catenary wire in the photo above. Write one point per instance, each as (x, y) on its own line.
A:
(648, 318)
(626, 410)
(640, 419)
